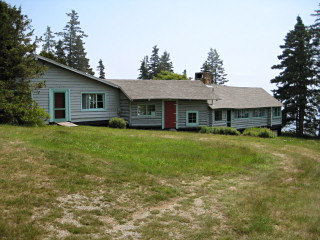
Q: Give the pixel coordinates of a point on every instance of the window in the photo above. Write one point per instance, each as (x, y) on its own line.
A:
(192, 118)
(259, 112)
(146, 110)
(242, 113)
(93, 101)
(276, 112)
(218, 115)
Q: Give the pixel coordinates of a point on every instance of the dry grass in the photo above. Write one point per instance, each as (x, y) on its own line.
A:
(98, 183)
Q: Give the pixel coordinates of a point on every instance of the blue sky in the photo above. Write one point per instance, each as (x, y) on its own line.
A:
(246, 33)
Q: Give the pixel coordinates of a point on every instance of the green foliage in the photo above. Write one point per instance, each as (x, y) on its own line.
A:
(297, 77)
(100, 69)
(144, 73)
(259, 132)
(117, 123)
(51, 56)
(165, 63)
(166, 75)
(49, 42)
(220, 130)
(17, 67)
(214, 65)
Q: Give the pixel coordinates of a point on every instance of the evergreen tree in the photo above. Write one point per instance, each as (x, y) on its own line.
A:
(73, 45)
(166, 75)
(59, 53)
(214, 65)
(48, 42)
(296, 81)
(185, 73)
(144, 73)
(17, 67)
(164, 63)
(100, 69)
(154, 62)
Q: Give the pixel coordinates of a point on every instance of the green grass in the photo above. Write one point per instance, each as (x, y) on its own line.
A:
(87, 182)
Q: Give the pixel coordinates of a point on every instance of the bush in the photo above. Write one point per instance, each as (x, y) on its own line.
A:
(117, 123)
(259, 132)
(220, 130)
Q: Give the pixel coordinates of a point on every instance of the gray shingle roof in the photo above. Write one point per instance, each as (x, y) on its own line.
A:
(242, 97)
(164, 89)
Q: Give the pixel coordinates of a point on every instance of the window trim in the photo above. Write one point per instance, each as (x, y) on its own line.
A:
(95, 109)
(273, 110)
(196, 124)
(263, 116)
(146, 115)
(236, 114)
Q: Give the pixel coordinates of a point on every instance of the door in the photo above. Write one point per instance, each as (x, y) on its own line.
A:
(59, 109)
(170, 114)
(229, 118)
(59, 105)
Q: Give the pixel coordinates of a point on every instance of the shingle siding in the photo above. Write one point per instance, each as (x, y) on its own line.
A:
(186, 105)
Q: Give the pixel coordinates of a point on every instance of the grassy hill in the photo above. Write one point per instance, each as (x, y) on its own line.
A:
(100, 183)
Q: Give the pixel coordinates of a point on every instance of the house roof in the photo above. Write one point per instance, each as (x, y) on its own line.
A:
(74, 70)
(164, 89)
(241, 97)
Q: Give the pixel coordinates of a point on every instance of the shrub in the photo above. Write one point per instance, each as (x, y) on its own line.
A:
(117, 123)
(259, 132)
(220, 130)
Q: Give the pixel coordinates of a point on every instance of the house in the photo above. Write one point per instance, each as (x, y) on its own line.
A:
(71, 95)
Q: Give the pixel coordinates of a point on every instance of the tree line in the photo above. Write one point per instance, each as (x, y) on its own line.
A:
(69, 48)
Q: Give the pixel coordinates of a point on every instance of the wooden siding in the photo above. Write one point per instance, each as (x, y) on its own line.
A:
(56, 78)
(146, 121)
(124, 107)
(222, 123)
(191, 105)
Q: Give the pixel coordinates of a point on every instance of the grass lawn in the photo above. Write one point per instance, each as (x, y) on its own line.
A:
(101, 183)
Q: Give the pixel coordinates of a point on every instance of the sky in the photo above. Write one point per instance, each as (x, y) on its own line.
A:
(246, 34)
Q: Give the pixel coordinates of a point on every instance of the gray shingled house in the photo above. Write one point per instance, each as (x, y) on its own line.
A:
(71, 95)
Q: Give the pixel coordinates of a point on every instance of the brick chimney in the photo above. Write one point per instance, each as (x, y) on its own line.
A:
(205, 77)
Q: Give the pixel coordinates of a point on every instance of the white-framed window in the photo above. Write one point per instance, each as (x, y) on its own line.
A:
(218, 115)
(93, 101)
(192, 118)
(146, 110)
(259, 112)
(276, 112)
(242, 113)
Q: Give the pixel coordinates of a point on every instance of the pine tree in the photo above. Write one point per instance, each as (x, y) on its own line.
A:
(17, 67)
(59, 53)
(73, 44)
(164, 63)
(214, 65)
(296, 80)
(49, 42)
(100, 69)
(154, 62)
(144, 73)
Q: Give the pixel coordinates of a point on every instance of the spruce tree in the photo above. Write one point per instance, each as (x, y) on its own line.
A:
(73, 44)
(17, 68)
(144, 73)
(154, 62)
(100, 69)
(164, 63)
(48, 42)
(296, 79)
(214, 65)
(59, 52)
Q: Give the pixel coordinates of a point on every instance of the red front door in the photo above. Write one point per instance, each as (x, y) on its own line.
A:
(170, 114)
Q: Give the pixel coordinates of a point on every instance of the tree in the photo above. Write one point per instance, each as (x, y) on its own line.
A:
(59, 53)
(49, 42)
(164, 63)
(144, 73)
(100, 69)
(17, 67)
(166, 75)
(72, 44)
(214, 65)
(154, 62)
(296, 79)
